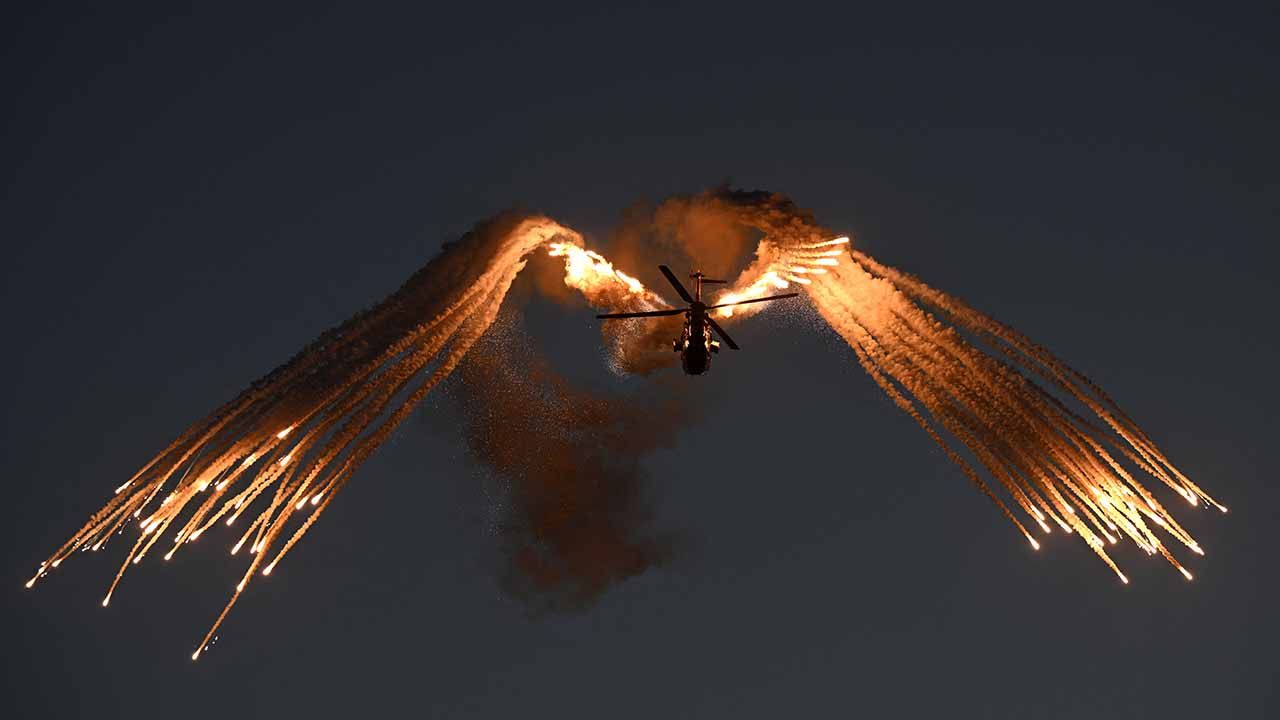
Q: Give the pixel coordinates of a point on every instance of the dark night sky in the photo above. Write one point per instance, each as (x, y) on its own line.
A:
(1104, 180)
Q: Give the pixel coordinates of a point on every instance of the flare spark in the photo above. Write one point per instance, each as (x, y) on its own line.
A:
(279, 453)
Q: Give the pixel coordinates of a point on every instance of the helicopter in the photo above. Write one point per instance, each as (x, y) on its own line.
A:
(695, 343)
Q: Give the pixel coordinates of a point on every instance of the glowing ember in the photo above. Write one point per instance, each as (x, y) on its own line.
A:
(585, 269)
(334, 428)
(343, 396)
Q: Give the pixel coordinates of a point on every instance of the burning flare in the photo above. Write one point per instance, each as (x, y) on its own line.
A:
(1055, 463)
(279, 453)
(602, 286)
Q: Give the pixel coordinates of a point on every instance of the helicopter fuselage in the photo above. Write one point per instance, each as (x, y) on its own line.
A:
(695, 344)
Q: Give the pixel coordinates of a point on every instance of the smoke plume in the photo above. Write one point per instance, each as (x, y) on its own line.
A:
(1027, 430)
(576, 517)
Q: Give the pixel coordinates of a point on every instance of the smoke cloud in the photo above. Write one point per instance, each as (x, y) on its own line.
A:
(714, 231)
(576, 518)
(1060, 451)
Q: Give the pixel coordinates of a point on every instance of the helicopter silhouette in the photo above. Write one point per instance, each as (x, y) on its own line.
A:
(695, 343)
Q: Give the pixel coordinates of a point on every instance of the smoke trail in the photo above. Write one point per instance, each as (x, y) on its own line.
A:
(289, 443)
(1054, 464)
(280, 452)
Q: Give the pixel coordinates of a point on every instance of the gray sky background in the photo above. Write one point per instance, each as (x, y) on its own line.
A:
(1102, 179)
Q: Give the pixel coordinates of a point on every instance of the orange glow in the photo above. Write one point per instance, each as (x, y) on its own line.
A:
(586, 269)
(995, 415)
(842, 240)
(765, 284)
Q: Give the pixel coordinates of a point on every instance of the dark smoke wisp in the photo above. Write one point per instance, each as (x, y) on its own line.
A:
(576, 517)
(1030, 432)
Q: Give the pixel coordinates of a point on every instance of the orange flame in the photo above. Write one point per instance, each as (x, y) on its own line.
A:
(601, 284)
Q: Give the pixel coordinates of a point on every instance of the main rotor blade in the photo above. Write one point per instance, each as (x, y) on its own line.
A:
(675, 283)
(723, 335)
(654, 313)
(762, 299)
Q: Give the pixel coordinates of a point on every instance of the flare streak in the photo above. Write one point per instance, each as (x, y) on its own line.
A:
(289, 443)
